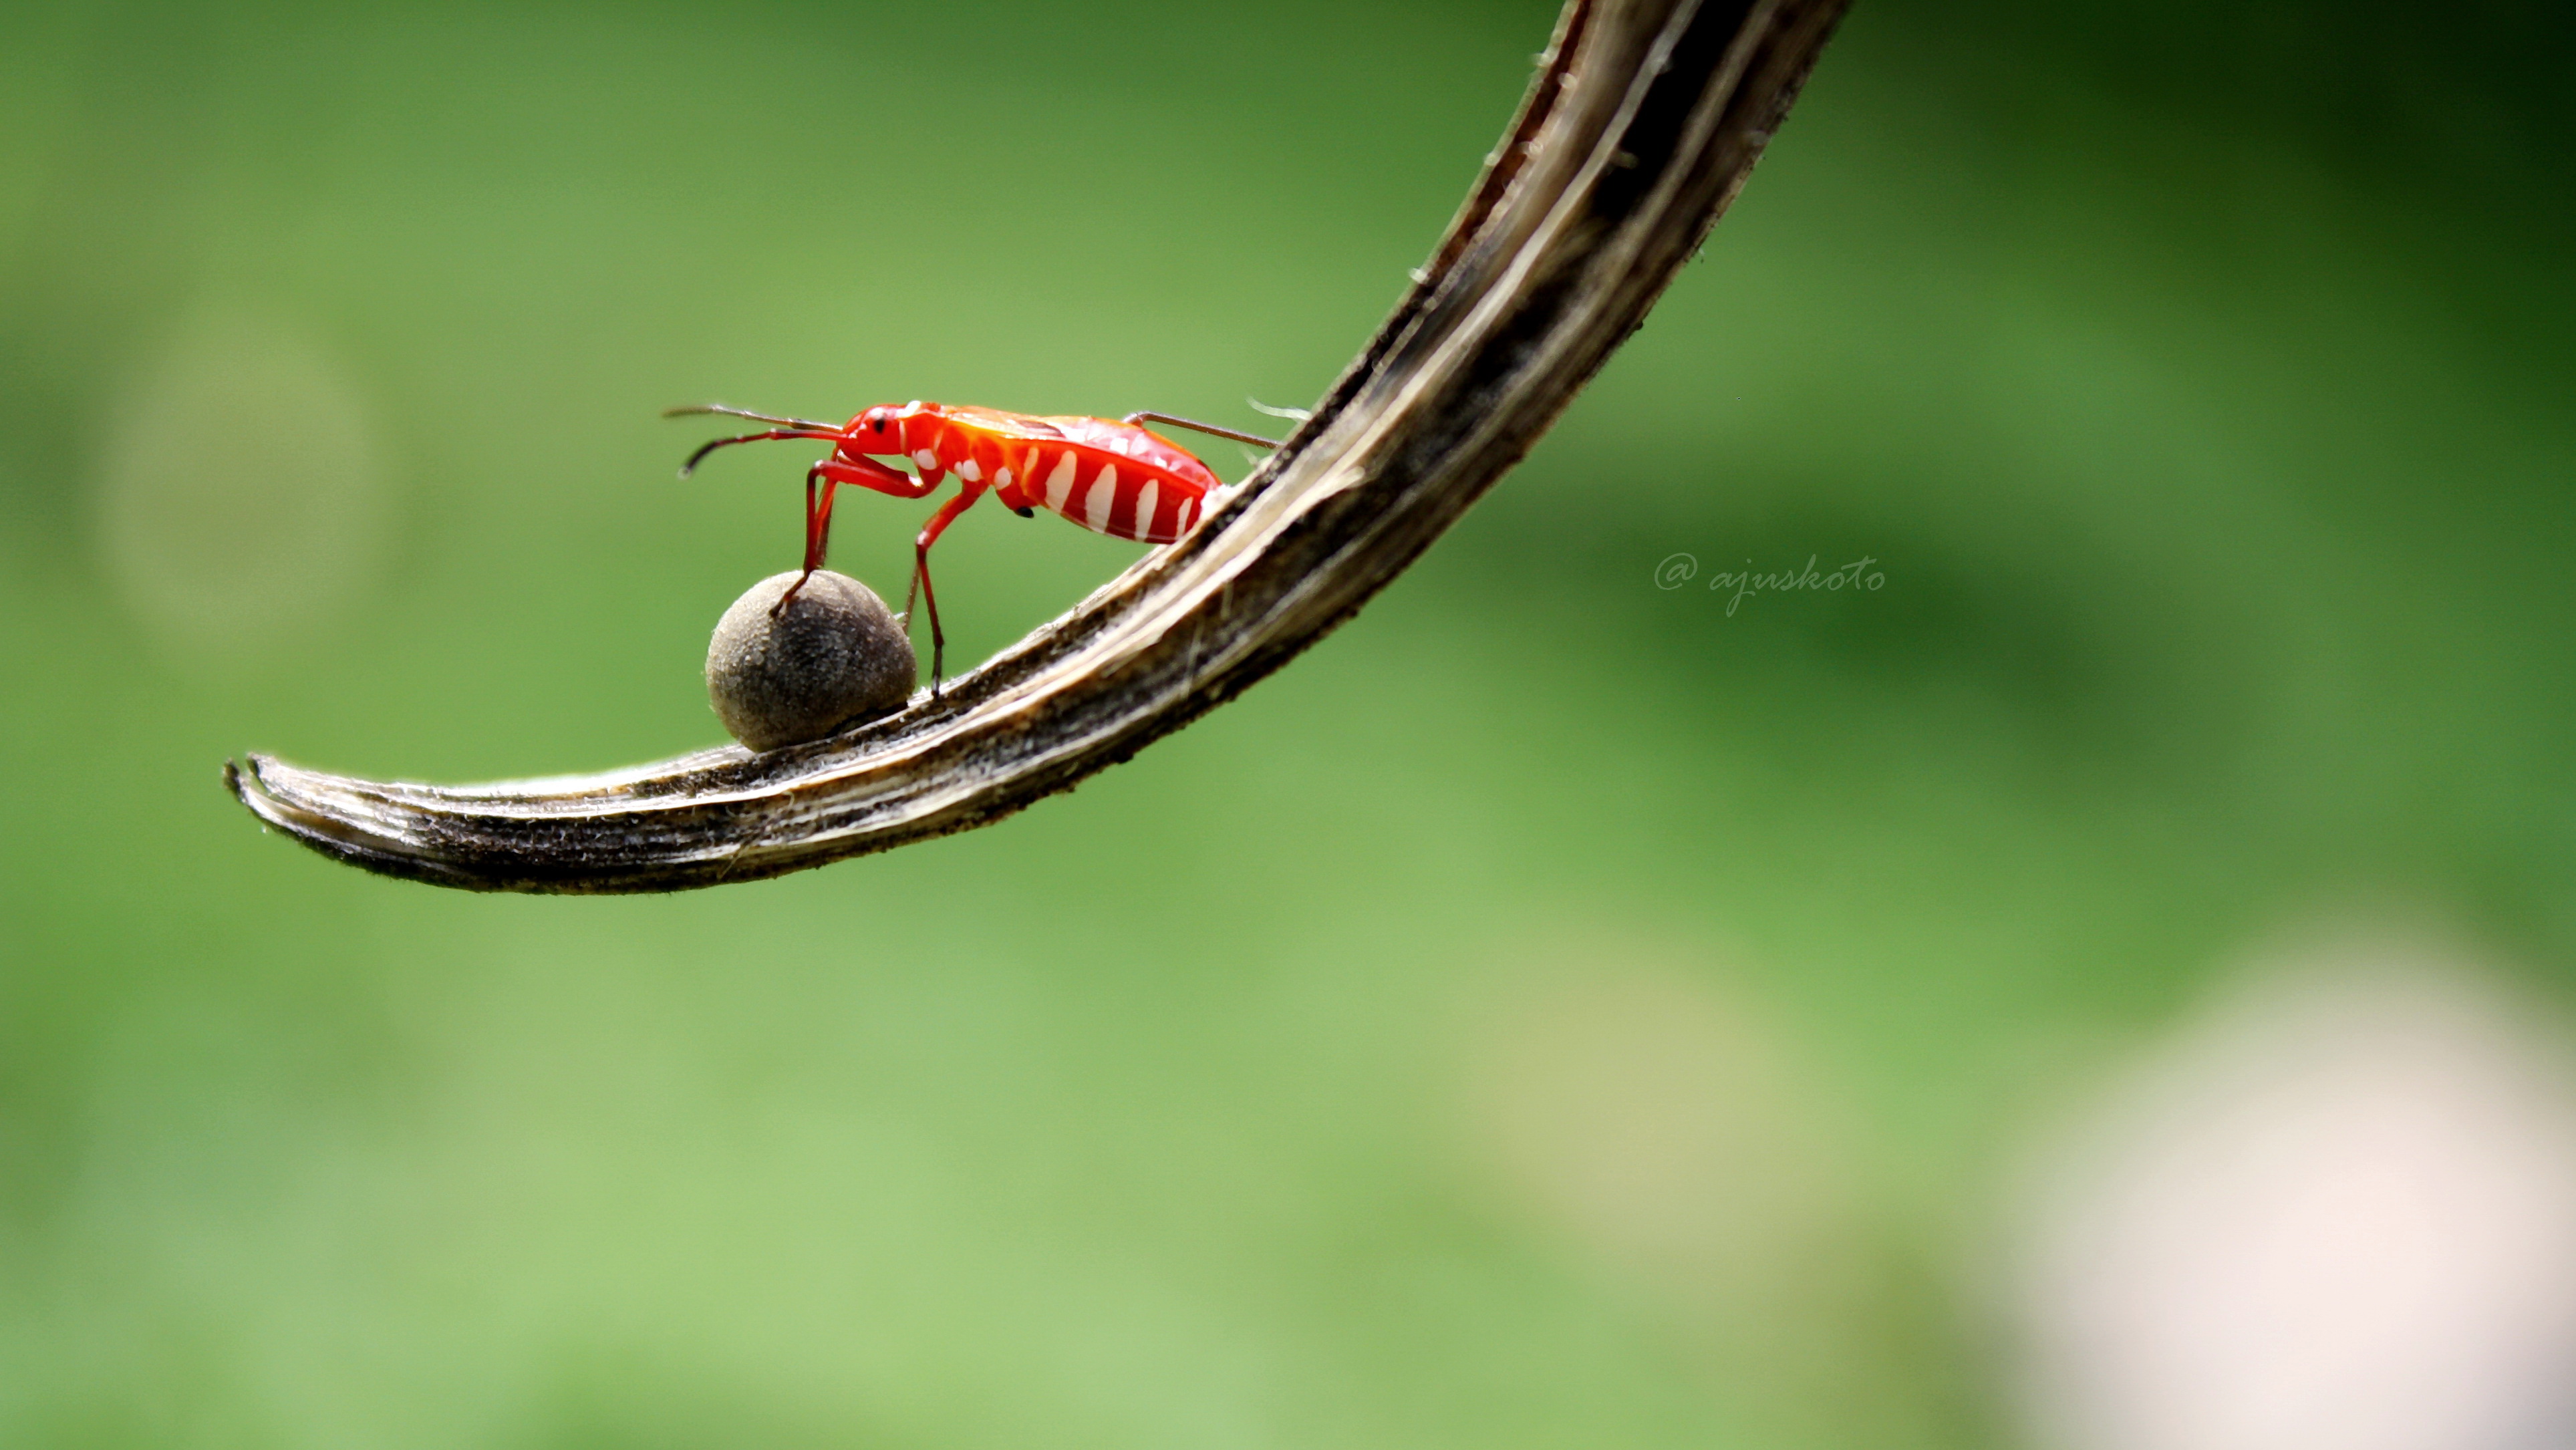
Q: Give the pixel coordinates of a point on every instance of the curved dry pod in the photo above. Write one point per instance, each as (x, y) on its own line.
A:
(1644, 119)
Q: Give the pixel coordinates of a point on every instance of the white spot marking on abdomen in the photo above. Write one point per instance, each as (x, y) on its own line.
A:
(1145, 501)
(1103, 496)
(1059, 484)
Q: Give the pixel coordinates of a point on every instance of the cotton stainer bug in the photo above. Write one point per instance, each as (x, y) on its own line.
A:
(1111, 477)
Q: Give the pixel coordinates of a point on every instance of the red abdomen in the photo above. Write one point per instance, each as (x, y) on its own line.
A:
(1112, 478)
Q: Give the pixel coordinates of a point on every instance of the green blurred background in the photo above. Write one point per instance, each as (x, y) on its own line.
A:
(1553, 1011)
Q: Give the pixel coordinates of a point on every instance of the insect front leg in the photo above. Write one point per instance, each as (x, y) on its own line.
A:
(820, 480)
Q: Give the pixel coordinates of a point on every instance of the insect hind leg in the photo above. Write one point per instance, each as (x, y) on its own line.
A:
(1195, 426)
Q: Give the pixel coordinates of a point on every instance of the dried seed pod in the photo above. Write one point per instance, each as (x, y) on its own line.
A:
(833, 656)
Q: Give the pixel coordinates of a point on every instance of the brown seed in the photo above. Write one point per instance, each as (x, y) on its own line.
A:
(833, 657)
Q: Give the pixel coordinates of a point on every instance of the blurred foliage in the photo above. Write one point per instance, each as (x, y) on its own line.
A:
(2198, 381)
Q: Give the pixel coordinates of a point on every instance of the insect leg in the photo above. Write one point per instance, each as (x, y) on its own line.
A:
(930, 533)
(818, 527)
(828, 474)
(883, 478)
(1197, 427)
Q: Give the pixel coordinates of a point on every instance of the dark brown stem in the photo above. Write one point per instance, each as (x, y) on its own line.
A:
(1644, 120)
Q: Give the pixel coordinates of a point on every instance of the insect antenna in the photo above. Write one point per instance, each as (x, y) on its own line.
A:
(830, 435)
(732, 412)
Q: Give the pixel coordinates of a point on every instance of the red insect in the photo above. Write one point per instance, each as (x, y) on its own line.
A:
(1113, 478)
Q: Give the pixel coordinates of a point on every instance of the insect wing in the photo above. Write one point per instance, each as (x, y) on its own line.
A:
(1129, 441)
(1007, 425)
